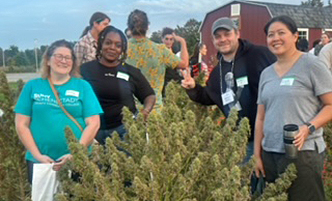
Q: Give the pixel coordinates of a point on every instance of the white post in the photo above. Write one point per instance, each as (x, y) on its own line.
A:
(36, 56)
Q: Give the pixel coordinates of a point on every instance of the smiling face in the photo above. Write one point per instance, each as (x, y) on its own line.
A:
(280, 39)
(61, 61)
(226, 41)
(112, 48)
(168, 40)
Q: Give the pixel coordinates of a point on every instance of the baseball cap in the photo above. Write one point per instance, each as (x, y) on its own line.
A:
(223, 23)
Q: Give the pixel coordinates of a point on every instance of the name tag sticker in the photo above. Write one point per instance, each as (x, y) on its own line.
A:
(227, 97)
(72, 93)
(287, 81)
(123, 76)
(242, 81)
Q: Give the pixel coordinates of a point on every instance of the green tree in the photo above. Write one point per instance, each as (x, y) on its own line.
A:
(21, 59)
(12, 51)
(30, 54)
(156, 36)
(190, 32)
(1, 57)
(11, 61)
(313, 3)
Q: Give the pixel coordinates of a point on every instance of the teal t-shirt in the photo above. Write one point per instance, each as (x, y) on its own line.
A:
(48, 121)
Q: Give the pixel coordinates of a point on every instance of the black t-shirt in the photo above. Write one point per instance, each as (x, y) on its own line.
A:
(115, 88)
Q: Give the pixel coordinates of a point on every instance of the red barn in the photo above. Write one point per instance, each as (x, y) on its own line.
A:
(251, 18)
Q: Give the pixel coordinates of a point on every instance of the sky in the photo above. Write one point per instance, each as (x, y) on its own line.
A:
(30, 23)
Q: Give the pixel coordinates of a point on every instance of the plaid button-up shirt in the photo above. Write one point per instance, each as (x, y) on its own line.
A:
(85, 49)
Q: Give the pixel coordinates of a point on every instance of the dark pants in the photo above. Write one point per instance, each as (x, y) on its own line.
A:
(103, 134)
(249, 153)
(74, 175)
(308, 186)
(30, 170)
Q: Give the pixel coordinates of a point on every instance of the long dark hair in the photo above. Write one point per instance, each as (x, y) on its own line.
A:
(194, 58)
(124, 42)
(96, 17)
(138, 23)
(286, 20)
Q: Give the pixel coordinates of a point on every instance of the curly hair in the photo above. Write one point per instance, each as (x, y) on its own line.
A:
(102, 36)
(138, 23)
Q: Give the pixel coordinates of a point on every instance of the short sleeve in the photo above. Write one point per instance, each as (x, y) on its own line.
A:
(321, 78)
(24, 102)
(91, 105)
(170, 59)
(325, 56)
(83, 70)
(142, 87)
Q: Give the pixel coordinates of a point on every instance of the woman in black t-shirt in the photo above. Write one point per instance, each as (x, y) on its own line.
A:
(116, 83)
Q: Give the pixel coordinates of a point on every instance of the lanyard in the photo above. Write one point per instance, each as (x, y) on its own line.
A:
(232, 69)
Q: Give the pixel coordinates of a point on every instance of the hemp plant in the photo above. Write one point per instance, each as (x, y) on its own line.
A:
(13, 170)
(186, 152)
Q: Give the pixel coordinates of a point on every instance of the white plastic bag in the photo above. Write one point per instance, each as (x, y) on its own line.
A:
(44, 182)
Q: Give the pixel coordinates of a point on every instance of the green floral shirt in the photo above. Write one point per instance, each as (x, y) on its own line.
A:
(152, 59)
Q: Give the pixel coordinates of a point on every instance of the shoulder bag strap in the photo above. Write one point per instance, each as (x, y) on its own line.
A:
(55, 92)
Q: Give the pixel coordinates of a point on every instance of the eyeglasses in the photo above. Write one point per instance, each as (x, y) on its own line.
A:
(60, 57)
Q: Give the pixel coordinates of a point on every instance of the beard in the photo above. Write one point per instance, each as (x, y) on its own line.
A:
(229, 51)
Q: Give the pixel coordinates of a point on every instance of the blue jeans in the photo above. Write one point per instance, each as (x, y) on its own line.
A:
(105, 133)
(250, 152)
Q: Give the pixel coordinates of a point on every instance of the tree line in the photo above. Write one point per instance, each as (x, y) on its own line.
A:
(17, 60)
(315, 3)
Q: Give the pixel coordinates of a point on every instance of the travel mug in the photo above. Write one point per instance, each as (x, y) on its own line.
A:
(290, 131)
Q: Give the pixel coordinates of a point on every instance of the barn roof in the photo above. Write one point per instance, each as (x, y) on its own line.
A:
(304, 16)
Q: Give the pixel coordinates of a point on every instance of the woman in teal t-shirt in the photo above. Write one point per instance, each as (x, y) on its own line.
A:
(40, 121)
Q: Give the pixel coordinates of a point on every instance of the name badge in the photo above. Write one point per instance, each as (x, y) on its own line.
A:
(242, 81)
(72, 93)
(287, 81)
(227, 97)
(123, 76)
